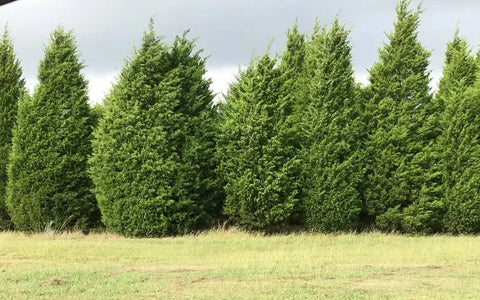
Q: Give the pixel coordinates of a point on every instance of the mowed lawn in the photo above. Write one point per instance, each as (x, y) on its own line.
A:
(237, 265)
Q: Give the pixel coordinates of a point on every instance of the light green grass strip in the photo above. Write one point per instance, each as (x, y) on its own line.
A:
(236, 265)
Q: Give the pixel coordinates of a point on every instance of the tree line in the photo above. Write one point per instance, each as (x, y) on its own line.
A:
(296, 144)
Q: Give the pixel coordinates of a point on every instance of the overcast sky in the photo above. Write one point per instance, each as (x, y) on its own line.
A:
(230, 32)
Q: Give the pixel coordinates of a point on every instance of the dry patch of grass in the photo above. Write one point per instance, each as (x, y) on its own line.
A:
(54, 281)
(233, 264)
(157, 269)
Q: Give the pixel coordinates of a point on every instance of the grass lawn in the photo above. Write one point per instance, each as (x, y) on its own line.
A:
(236, 265)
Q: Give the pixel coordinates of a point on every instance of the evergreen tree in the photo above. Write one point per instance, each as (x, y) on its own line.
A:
(48, 183)
(396, 111)
(441, 155)
(462, 162)
(458, 143)
(12, 89)
(459, 71)
(292, 65)
(332, 121)
(153, 149)
(293, 58)
(256, 149)
(196, 180)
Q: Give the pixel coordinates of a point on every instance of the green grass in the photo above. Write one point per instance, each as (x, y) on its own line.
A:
(236, 265)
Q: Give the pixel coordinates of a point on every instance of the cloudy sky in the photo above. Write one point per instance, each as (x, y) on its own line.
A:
(230, 32)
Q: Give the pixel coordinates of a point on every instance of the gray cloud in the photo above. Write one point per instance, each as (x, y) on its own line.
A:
(229, 31)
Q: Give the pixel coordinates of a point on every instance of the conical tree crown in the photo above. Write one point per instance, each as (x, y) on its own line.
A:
(292, 65)
(401, 74)
(294, 56)
(48, 181)
(458, 142)
(459, 74)
(439, 156)
(396, 113)
(330, 53)
(153, 150)
(312, 48)
(459, 70)
(199, 132)
(257, 157)
(126, 142)
(12, 89)
(332, 119)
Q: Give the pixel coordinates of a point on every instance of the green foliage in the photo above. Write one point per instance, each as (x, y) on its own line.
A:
(459, 71)
(331, 122)
(257, 153)
(296, 143)
(153, 148)
(48, 182)
(441, 156)
(396, 112)
(293, 59)
(96, 113)
(461, 159)
(292, 65)
(12, 89)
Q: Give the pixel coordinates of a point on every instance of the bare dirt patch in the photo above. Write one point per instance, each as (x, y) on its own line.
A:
(157, 269)
(55, 281)
(433, 267)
